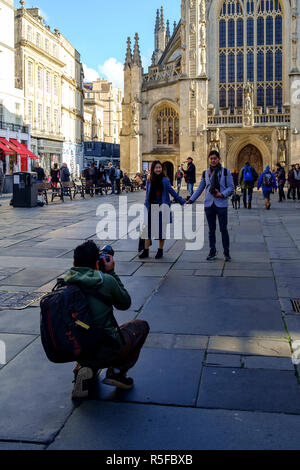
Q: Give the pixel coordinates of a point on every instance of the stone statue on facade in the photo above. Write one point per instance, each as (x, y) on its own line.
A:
(248, 106)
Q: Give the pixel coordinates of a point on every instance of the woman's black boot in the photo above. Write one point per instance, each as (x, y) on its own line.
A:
(159, 254)
(144, 254)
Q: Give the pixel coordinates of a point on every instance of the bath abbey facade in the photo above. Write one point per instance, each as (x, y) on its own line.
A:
(226, 77)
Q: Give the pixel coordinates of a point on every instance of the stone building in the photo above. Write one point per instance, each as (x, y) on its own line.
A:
(107, 127)
(227, 78)
(49, 71)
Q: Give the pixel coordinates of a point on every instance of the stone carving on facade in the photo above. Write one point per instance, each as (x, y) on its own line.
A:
(248, 114)
(282, 137)
(135, 117)
(214, 139)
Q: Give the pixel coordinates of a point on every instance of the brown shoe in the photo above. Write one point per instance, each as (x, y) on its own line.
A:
(249, 205)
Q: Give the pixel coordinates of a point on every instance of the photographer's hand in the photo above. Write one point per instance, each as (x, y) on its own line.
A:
(109, 265)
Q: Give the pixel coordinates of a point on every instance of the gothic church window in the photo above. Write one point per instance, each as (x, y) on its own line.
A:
(166, 126)
(250, 49)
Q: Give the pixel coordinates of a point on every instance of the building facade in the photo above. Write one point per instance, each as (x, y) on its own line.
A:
(12, 125)
(107, 126)
(49, 71)
(227, 78)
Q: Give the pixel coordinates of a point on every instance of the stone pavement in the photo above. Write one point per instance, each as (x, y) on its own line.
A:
(216, 372)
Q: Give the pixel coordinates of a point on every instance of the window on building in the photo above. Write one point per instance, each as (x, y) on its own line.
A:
(167, 126)
(47, 45)
(30, 74)
(40, 78)
(29, 33)
(1, 111)
(55, 85)
(55, 121)
(18, 113)
(54, 50)
(251, 49)
(38, 40)
(40, 117)
(48, 119)
(47, 81)
(30, 112)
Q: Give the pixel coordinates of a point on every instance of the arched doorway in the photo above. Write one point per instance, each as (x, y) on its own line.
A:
(168, 168)
(250, 154)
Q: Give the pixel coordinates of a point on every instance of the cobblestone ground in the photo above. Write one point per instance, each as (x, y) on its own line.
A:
(216, 372)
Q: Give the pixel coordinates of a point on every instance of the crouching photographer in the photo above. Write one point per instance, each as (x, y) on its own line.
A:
(93, 272)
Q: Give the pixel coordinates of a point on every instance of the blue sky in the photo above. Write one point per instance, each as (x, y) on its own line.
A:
(99, 29)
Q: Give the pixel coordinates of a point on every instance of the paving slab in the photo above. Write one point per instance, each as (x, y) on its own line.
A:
(23, 321)
(21, 446)
(153, 269)
(287, 269)
(234, 317)
(14, 344)
(260, 362)
(250, 346)
(160, 366)
(288, 287)
(36, 399)
(249, 390)
(125, 426)
(223, 360)
(238, 288)
(140, 289)
(33, 277)
(293, 326)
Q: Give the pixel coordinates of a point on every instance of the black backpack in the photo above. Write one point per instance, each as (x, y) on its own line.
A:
(67, 333)
(268, 180)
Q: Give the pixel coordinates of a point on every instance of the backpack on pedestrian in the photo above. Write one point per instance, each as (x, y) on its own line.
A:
(66, 323)
(248, 175)
(268, 181)
(112, 172)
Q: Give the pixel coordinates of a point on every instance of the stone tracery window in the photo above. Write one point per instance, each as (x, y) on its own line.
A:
(166, 126)
(250, 49)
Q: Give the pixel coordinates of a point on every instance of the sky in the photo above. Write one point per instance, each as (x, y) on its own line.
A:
(99, 29)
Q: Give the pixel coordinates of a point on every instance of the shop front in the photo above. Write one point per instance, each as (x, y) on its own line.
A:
(50, 152)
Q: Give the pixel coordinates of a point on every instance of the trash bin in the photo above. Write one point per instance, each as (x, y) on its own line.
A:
(25, 191)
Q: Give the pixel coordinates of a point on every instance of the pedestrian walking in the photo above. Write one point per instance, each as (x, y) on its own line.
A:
(281, 180)
(55, 175)
(158, 193)
(190, 176)
(247, 180)
(119, 177)
(219, 186)
(291, 182)
(178, 177)
(112, 177)
(267, 182)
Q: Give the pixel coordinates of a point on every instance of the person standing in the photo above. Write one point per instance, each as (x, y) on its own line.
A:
(281, 180)
(55, 175)
(190, 176)
(267, 182)
(119, 176)
(247, 180)
(158, 191)
(2, 178)
(291, 183)
(40, 173)
(65, 176)
(219, 185)
(179, 175)
(112, 177)
(296, 182)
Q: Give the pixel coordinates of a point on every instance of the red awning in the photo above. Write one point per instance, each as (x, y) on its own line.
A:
(6, 150)
(23, 150)
(12, 146)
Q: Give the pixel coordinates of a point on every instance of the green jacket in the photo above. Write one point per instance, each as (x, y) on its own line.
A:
(111, 286)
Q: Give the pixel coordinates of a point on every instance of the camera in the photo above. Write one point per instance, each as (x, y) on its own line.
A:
(104, 254)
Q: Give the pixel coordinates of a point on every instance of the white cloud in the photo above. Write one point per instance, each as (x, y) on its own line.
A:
(90, 75)
(113, 71)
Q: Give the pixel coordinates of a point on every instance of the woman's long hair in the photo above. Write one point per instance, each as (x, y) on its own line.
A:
(156, 180)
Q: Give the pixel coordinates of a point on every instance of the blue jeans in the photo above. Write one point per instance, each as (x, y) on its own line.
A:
(222, 213)
(267, 193)
(190, 188)
(250, 195)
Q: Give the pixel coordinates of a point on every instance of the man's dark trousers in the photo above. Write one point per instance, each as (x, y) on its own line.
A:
(222, 213)
(250, 195)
